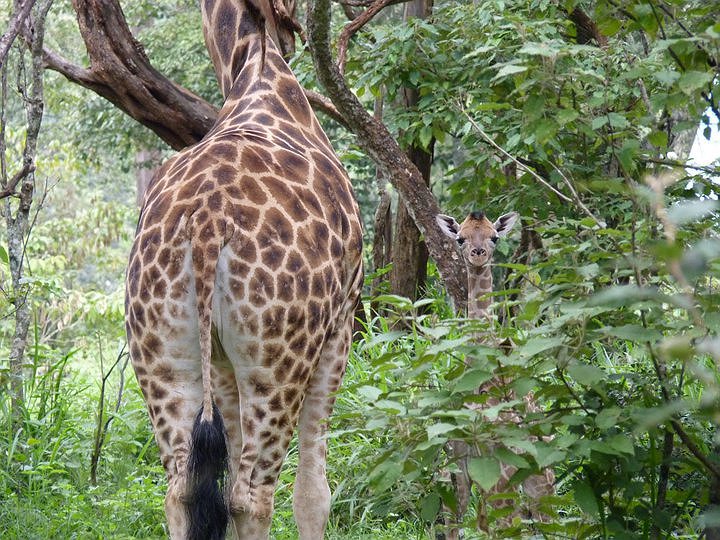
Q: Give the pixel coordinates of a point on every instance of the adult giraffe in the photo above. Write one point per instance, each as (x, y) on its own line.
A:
(241, 289)
(477, 237)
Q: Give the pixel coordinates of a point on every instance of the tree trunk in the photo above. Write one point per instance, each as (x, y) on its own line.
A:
(17, 215)
(377, 142)
(382, 230)
(409, 253)
(147, 163)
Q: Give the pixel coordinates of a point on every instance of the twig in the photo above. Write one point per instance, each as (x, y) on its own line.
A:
(101, 428)
(694, 450)
(353, 26)
(323, 104)
(667, 450)
(365, 3)
(575, 198)
(525, 168)
(674, 163)
(16, 22)
(710, 59)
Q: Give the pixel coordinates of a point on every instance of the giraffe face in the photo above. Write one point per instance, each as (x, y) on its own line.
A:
(477, 235)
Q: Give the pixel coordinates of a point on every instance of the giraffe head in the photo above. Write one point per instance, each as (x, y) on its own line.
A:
(477, 235)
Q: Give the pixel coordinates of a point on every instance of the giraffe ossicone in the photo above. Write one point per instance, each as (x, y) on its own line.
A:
(240, 293)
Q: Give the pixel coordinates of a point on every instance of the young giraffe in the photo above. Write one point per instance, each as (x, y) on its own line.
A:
(241, 290)
(477, 237)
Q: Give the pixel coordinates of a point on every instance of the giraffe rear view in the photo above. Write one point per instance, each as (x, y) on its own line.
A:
(241, 290)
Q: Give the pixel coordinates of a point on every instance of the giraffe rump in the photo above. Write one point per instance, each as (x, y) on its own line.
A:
(207, 467)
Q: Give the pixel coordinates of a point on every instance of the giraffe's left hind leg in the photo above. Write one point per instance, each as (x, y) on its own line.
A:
(311, 495)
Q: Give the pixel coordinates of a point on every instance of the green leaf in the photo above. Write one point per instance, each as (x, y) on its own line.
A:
(628, 153)
(439, 429)
(471, 379)
(510, 69)
(617, 121)
(511, 458)
(565, 116)
(539, 49)
(425, 136)
(534, 106)
(659, 139)
(623, 295)
(599, 122)
(485, 471)
(691, 81)
(547, 455)
(586, 374)
(607, 418)
(585, 499)
(390, 406)
(429, 507)
(370, 393)
(622, 444)
(666, 77)
(384, 475)
(536, 345)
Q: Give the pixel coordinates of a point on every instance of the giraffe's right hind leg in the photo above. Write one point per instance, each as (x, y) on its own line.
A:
(269, 408)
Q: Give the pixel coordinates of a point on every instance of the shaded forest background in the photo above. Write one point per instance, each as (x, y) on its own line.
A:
(578, 115)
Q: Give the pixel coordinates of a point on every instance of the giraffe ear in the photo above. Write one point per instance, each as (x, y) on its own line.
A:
(448, 225)
(505, 222)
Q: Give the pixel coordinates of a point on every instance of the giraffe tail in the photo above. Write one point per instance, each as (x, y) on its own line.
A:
(207, 467)
(207, 463)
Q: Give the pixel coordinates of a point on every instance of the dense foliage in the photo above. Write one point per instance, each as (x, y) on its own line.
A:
(609, 293)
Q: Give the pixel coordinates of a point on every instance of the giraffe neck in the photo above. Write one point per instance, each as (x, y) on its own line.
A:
(233, 32)
(480, 283)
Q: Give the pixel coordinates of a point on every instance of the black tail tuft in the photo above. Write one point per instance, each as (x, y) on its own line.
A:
(207, 467)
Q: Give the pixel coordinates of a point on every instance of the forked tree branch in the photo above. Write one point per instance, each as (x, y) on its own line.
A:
(27, 168)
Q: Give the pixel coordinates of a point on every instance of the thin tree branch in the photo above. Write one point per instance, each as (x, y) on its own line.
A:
(710, 59)
(14, 27)
(675, 163)
(694, 449)
(353, 26)
(323, 104)
(574, 199)
(522, 166)
(27, 168)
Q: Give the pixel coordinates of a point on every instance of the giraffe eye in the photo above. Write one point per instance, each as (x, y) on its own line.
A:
(494, 239)
(460, 240)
